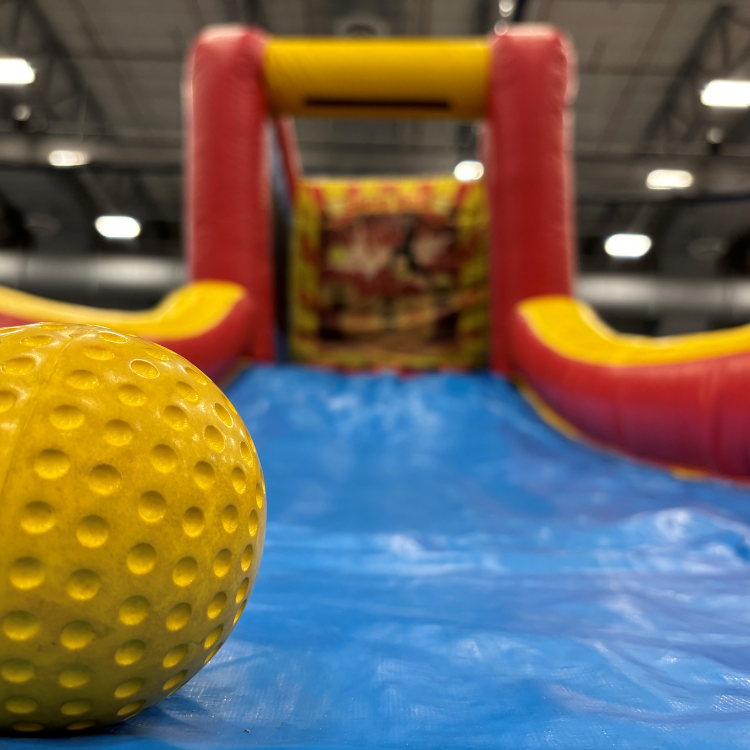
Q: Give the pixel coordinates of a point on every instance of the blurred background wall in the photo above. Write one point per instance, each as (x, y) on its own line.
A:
(97, 132)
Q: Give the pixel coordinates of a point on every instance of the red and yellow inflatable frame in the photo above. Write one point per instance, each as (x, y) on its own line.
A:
(518, 82)
(678, 400)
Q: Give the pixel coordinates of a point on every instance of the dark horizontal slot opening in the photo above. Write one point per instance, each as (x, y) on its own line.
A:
(379, 104)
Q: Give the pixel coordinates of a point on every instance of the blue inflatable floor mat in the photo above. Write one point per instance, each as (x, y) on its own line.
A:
(443, 570)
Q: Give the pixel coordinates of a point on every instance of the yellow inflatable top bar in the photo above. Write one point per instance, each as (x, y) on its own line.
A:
(573, 330)
(394, 78)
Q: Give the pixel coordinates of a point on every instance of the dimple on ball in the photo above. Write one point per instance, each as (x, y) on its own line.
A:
(132, 519)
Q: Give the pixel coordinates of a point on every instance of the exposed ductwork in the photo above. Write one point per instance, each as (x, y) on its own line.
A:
(654, 297)
(135, 282)
(104, 281)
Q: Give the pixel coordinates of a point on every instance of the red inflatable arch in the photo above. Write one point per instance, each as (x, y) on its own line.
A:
(521, 86)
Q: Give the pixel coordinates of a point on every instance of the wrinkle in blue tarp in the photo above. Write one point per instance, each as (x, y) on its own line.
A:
(443, 570)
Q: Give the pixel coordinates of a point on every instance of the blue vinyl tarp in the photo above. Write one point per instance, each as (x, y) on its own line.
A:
(443, 570)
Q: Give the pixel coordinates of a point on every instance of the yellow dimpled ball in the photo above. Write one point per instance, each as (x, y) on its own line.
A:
(132, 518)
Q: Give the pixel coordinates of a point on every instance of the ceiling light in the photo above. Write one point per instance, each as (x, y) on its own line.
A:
(720, 93)
(466, 171)
(627, 245)
(64, 157)
(21, 112)
(669, 179)
(715, 135)
(507, 7)
(117, 227)
(15, 71)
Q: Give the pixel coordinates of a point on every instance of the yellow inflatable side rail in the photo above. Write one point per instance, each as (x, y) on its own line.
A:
(676, 400)
(409, 78)
(574, 331)
(190, 311)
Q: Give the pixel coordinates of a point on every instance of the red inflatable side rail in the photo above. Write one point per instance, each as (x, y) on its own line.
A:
(681, 400)
(528, 167)
(228, 213)
(231, 333)
(207, 322)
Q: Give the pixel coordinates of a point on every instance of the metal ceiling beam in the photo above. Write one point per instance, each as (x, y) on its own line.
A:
(58, 59)
(680, 116)
(611, 176)
(126, 96)
(629, 90)
(18, 149)
(12, 29)
(519, 12)
(246, 11)
(486, 16)
(75, 103)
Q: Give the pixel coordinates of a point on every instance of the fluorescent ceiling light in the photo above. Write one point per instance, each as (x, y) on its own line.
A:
(466, 171)
(627, 245)
(15, 71)
(117, 227)
(721, 93)
(715, 135)
(669, 179)
(63, 157)
(21, 113)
